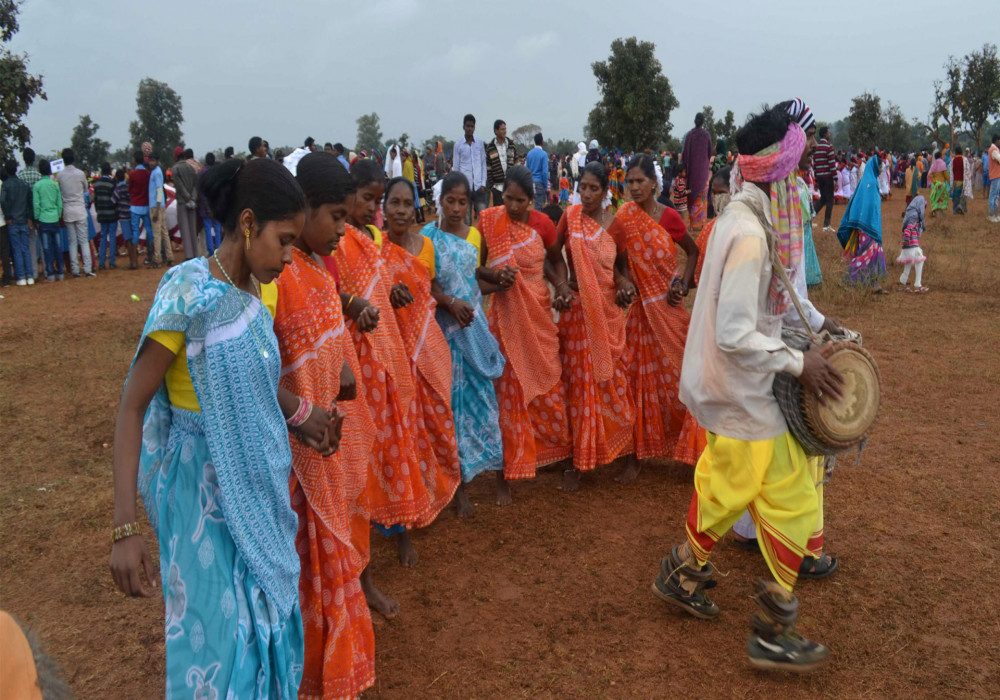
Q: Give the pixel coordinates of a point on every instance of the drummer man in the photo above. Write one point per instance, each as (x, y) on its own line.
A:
(733, 351)
(817, 564)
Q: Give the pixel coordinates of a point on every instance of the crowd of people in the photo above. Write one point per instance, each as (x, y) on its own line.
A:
(320, 371)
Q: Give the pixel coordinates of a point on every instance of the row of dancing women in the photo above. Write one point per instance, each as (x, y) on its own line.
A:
(318, 377)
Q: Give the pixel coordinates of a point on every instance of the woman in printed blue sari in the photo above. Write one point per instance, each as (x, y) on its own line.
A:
(201, 434)
(476, 359)
(860, 233)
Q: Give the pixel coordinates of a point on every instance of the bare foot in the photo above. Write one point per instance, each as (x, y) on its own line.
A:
(570, 481)
(630, 472)
(463, 505)
(377, 600)
(504, 497)
(407, 554)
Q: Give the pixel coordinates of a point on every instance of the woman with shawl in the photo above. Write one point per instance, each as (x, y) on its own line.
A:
(319, 366)
(592, 331)
(202, 434)
(938, 177)
(523, 252)
(393, 163)
(404, 489)
(475, 355)
(860, 233)
(657, 325)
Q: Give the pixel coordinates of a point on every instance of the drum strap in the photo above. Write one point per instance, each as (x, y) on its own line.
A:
(779, 269)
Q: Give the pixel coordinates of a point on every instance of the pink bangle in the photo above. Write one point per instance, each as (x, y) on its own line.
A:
(301, 414)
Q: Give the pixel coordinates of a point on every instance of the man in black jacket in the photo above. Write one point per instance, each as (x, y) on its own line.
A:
(501, 153)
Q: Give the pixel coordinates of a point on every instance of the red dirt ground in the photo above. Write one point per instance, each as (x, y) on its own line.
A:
(550, 597)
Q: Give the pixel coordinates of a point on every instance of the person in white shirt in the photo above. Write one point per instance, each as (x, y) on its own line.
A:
(469, 158)
(734, 349)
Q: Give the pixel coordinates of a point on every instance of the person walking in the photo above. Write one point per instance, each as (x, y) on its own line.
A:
(73, 184)
(162, 249)
(107, 217)
(501, 154)
(825, 168)
(186, 188)
(122, 201)
(696, 158)
(469, 158)
(138, 190)
(537, 161)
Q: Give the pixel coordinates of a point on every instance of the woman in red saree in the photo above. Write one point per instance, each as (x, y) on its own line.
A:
(523, 251)
(592, 332)
(657, 325)
(327, 487)
(426, 348)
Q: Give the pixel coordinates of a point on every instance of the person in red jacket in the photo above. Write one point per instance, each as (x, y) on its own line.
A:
(138, 192)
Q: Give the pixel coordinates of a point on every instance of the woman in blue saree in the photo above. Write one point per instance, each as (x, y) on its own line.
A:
(201, 434)
(860, 233)
(476, 359)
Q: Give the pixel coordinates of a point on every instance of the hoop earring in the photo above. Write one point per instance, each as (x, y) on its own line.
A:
(247, 234)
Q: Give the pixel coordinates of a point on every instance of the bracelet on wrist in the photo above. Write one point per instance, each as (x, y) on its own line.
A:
(123, 531)
(301, 414)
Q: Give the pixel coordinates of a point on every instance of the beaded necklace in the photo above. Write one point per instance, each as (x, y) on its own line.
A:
(246, 311)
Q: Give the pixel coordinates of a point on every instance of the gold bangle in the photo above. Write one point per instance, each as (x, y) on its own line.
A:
(123, 531)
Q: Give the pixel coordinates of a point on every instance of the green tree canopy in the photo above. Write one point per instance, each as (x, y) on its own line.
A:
(864, 124)
(158, 119)
(90, 150)
(369, 133)
(18, 87)
(636, 98)
(980, 96)
(524, 136)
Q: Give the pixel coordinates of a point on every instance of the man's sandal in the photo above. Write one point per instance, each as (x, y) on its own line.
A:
(817, 568)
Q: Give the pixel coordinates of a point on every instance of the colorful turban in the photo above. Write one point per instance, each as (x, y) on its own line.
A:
(801, 113)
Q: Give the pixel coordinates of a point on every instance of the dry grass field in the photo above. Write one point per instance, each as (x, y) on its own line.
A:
(550, 597)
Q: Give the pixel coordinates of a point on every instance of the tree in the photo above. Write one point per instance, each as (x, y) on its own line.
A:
(524, 136)
(980, 96)
(947, 95)
(369, 133)
(562, 146)
(158, 118)
(404, 140)
(636, 98)
(864, 124)
(895, 130)
(90, 151)
(709, 114)
(18, 88)
(446, 143)
(727, 129)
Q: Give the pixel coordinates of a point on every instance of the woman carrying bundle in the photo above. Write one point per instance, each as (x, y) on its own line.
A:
(475, 356)
(657, 325)
(523, 251)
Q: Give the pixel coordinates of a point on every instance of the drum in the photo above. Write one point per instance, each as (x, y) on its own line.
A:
(839, 425)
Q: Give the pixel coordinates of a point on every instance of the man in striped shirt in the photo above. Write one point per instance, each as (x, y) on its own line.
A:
(826, 169)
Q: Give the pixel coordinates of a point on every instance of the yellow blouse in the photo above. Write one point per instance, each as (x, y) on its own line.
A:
(426, 256)
(476, 239)
(376, 234)
(180, 388)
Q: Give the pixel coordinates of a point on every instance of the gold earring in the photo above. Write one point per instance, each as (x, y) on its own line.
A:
(247, 234)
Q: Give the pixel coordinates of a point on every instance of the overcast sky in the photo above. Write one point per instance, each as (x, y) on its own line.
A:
(287, 70)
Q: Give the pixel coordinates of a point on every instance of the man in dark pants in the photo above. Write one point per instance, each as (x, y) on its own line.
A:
(825, 168)
(501, 153)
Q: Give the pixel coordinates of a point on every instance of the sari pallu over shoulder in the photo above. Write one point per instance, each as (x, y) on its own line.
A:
(359, 264)
(456, 261)
(237, 389)
(310, 328)
(522, 314)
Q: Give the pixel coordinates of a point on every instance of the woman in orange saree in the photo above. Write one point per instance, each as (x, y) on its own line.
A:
(327, 487)
(657, 325)
(523, 251)
(426, 348)
(592, 332)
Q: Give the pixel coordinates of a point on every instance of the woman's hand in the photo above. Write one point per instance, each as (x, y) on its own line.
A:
(348, 384)
(564, 297)
(313, 433)
(363, 313)
(462, 310)
(400, 296)
(626, 292)
(335, 431)
(678, 290)
(130, 564)
(506, 276)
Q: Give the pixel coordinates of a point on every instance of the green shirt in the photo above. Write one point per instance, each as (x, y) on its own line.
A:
(48, 201)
